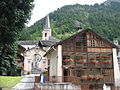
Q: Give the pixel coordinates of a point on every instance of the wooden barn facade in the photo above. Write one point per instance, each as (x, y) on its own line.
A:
(84, 59)
(88, 56)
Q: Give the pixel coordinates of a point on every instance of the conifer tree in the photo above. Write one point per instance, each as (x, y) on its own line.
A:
(13, 16)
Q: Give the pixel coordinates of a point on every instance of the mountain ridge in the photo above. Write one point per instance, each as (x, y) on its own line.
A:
(103, 19)
(114, 0)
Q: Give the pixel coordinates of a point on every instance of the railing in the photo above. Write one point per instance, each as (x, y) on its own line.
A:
(90, 65)
(82, 87)
(106, 65)
(78, 81)
(99, 65)
(115, 88)
(59, 79)
(57, 86)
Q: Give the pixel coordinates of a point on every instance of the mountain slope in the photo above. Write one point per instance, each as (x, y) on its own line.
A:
(103, 19)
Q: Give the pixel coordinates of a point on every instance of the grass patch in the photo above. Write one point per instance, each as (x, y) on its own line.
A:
(9, 81)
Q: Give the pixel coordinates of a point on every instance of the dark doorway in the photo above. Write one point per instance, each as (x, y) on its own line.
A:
(66, 75)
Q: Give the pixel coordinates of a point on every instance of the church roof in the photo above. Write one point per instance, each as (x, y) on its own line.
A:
(45, 43)
(48, 43)
(47, 23)
(28, 42)
(53, 39)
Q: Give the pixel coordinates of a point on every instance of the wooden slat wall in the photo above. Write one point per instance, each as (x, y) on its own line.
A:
(88, 46)
(98, 50)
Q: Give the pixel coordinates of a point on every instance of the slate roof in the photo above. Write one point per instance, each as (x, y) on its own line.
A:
(54, 39)
(47, 23)
(48, 43)
(29, 42)
(45, 43)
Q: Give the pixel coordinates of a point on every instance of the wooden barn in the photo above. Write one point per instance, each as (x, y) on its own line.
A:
(85, 59)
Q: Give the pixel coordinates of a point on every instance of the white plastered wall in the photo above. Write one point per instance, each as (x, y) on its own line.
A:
(48, 34)
(29, 56)
(59, 65)
(56, 61)
(53, 63)
(55, 57)
(116, 68)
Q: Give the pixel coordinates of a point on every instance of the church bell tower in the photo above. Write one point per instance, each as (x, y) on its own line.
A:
(46, 33)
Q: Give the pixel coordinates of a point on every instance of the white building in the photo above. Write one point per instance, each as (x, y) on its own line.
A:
(118, 51)
(35, 49)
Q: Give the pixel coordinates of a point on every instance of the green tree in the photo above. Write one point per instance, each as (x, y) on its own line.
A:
(24, 35)
(13, 16)
(102, 18)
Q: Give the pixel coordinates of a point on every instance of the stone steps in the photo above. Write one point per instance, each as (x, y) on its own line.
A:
(27, 83)
(58, 86)
(35, 71)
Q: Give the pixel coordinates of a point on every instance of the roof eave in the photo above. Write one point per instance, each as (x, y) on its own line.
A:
(50, 50)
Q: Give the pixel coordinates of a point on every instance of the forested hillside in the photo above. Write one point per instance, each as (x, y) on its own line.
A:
(103, 18)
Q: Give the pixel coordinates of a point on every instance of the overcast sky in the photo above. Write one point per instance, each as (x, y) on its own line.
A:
(43, 7)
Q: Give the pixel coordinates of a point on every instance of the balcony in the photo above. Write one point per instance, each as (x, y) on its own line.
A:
(94, 65)
(75, 80)
(106, 65)
(88, 64)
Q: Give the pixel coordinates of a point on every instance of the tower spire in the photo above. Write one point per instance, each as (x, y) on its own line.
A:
(47, 23)
(46, 33)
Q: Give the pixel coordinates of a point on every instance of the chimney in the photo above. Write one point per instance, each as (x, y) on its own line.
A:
(115, 42)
